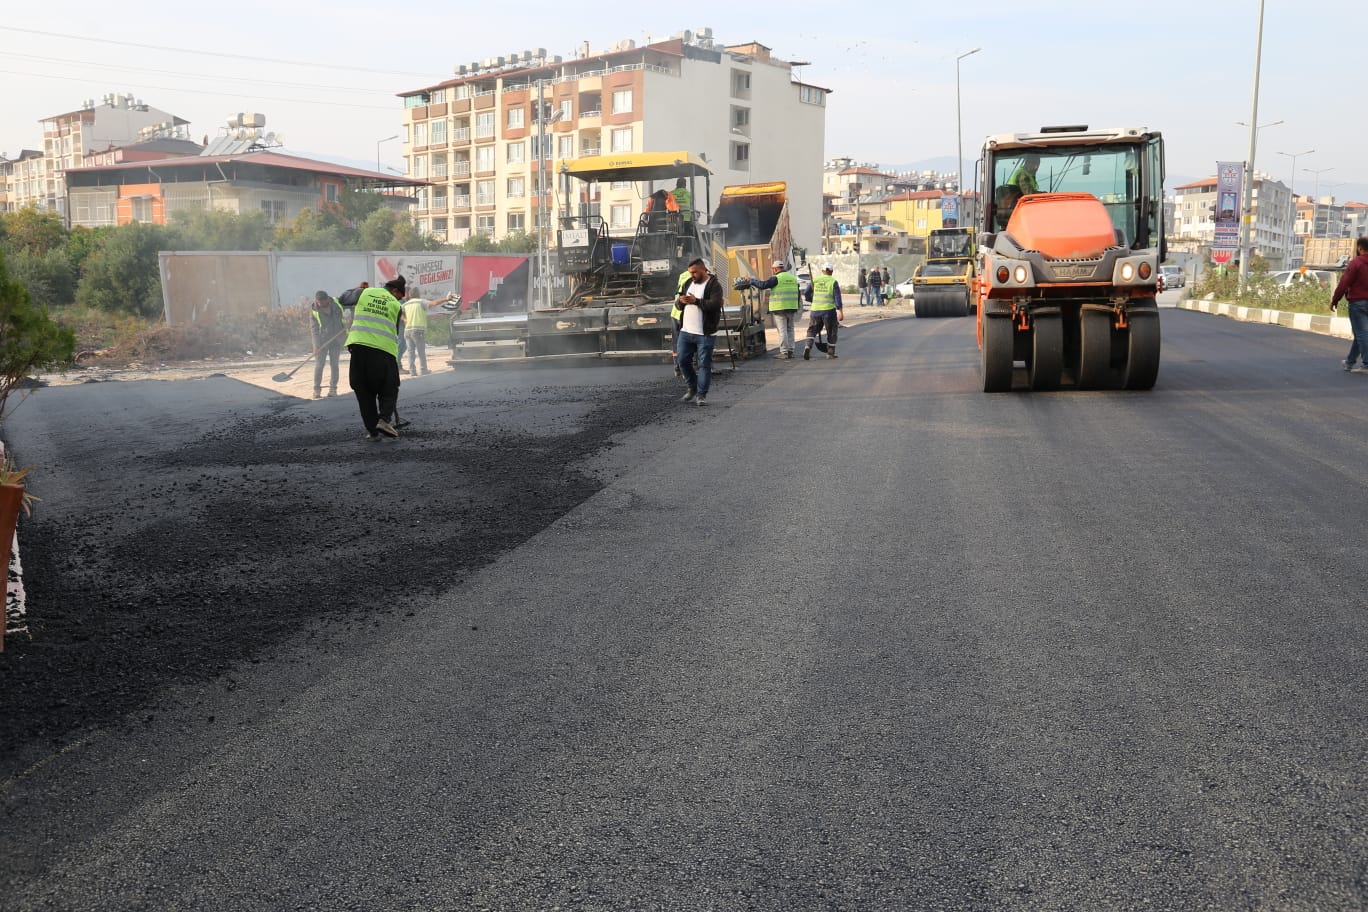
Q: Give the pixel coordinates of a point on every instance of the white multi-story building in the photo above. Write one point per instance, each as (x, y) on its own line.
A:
(67, 138)
(1271, 229)
(482, 138)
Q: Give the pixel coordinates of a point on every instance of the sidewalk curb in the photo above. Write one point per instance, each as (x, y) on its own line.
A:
(1325, 325)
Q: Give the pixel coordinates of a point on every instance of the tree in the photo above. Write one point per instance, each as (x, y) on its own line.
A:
(211, 229)
(34, 230)
(123, 273)
(479, 242)
(517, 242)
(49, 277)
(316, 231)
(28, 338)
(376, 230)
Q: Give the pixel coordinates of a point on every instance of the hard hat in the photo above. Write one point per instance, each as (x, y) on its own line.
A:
(827, 267)
(778, 264)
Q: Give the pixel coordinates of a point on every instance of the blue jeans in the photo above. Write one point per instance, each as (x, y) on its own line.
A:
(688, 345)
(1358, 323)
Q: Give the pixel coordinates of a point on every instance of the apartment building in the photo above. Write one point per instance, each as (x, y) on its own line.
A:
(1271, 229)
(67, 138)
(490, 140)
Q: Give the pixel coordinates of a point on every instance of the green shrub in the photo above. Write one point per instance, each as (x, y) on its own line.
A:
(29, 339)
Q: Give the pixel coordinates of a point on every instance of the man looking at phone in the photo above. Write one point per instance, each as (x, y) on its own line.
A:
(700, 299)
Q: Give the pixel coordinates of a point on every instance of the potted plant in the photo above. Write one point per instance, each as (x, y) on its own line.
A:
(13, 498)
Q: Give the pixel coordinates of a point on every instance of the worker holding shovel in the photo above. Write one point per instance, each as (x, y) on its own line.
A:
(327, 327)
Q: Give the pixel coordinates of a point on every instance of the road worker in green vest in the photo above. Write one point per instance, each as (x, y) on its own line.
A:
(1024, 177)
(684, 197)
(783, 304)
(415, 329)
(826, 312)
(374, 345)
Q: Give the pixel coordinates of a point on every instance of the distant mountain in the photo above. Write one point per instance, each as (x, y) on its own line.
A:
(939, 164)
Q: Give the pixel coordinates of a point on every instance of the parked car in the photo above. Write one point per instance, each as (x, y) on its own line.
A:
(904, 288)
(1288, 277)
(1173, 276)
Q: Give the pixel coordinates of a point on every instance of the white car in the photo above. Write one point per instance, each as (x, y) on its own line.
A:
(1290, 277)
(904, 288)
(1173, 276)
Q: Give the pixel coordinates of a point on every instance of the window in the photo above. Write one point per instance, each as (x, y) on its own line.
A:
(420, 134)
(517, 118)
(439, 132)
(484, 158)
(484, 193)
(439, 165)
(622, 185)
(142, 210)
(439, 226)
(740, 117)
(811, 95)
(567, 109)
(420, 164)
(741, 155)
(566, 147)
(622, 139)
(274, 209)
(517, 221)
(415, 101)
(620, 216)
(439, 96)
(622, 101)
(517, 187)
(484, 125)
(461, 91)
(484, 224)
(516, 153)
(541, 146)
(330, 192)
(741, 83)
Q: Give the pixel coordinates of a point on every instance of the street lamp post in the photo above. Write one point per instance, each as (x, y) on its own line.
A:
(1292, 205)
(959, 141)
(378, 144)
(1315, 195)
(1247, 213)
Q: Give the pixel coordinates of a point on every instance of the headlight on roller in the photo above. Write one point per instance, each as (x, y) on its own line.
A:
(1020, 274)
(1128, 272)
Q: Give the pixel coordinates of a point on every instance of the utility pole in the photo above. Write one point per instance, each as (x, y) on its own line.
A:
(959, 143)
(1247, 210)
(543, 280)
(1292, 206)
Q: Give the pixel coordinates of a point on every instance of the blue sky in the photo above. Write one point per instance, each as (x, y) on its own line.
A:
(327, 77)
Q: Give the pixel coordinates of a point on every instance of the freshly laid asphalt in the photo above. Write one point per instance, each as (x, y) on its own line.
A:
(855, 636)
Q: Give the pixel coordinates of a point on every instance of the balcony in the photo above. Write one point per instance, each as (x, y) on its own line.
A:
(460, 203)
(460, 168)
(460, 135)
(586, 151)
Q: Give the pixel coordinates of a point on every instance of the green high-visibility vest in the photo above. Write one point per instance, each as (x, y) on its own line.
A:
(677, 312)
(684, 196)
(415, 314)
(784, 296)
(824, 292)
(375, 322)
(1026, 186)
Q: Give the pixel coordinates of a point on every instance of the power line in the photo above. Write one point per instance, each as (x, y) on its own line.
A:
(181, 50)
(307, 101)
(183, 75)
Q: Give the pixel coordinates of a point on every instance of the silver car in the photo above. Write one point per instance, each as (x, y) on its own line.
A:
(1174, 277)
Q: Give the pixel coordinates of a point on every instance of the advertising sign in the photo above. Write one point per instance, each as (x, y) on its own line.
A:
(1229, 186)
(950, 211)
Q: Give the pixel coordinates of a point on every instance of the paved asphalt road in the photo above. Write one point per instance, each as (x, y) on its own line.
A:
(855, 637)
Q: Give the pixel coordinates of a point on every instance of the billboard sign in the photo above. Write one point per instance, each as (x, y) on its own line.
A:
(1229, 186)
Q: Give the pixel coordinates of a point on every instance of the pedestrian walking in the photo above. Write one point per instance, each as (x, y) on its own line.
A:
(784, 295)
(327, 328)
(887, 284)
(863, 283)
(826, 311)
(1353, 287)
(700, 302)
(374, 346)
(876, 287)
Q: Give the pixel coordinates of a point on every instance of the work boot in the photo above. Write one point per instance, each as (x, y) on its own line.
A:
(807, 351)
(831, 351)
(318, 394)
(689, 396)
(386, 428)
(332, 392)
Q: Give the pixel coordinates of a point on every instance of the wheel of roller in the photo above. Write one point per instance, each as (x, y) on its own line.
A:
(1142, 352)
(1047, 353)
(1094, 350)
(996, 354)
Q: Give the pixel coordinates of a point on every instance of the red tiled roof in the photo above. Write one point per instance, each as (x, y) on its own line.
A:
(916, 195)
(268, 158)
(1206, 182)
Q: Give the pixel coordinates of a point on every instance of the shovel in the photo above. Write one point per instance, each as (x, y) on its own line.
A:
(282, 377)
